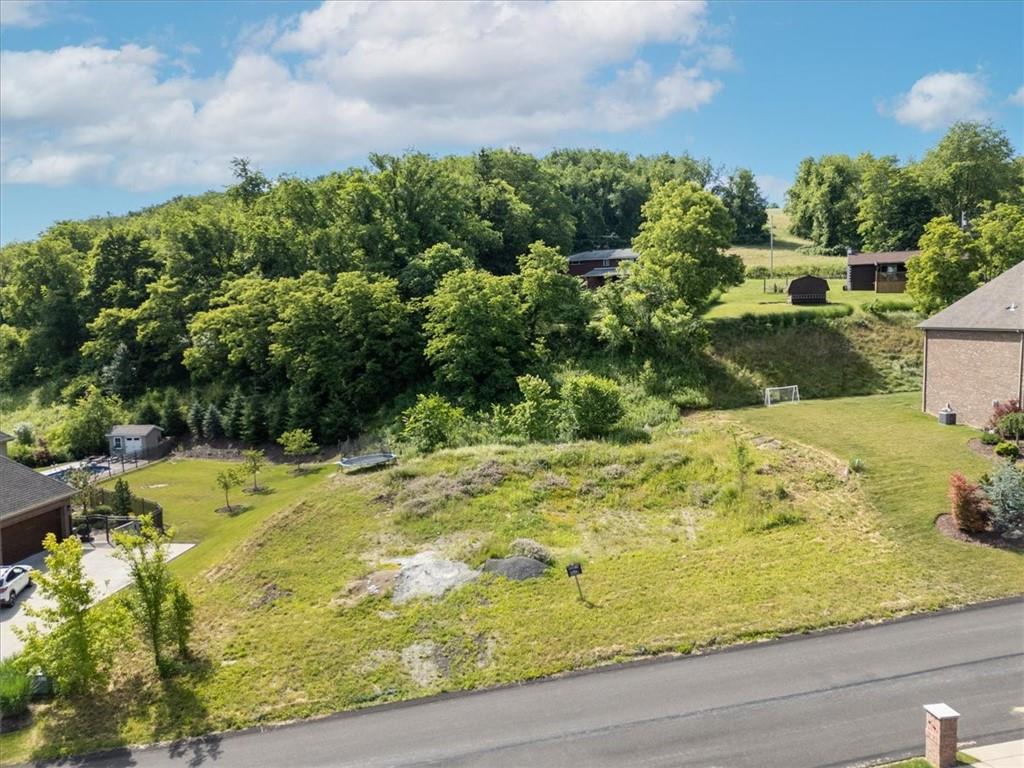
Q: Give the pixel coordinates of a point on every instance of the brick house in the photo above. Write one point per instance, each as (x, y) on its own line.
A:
(31, 506)
(974, 350)
(883, 272)
(595, 267)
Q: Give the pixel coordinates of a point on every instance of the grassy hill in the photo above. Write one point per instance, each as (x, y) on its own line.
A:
(786, 245)
(680, 552)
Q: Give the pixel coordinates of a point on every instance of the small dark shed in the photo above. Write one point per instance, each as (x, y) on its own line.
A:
(807, 290)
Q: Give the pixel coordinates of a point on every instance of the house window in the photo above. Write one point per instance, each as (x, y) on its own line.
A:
(117, 442)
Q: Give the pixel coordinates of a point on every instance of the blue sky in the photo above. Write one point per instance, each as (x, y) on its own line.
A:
(114, 106)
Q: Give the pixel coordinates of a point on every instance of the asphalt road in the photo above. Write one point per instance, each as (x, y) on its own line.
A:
(835, 699)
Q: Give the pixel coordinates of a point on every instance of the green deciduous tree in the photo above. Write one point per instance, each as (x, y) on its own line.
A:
(254, 460)
(88, 422)
(682, 259)
(226, 480)
(476, 330)
(73, 645)
(424, 271)
(971, 165)
(894, 206)
(553, 302)
(591, 405)
(432, 423)
(297, 443)
(536, 416)
(999, 234)
(822, 203)
(153, 592)
(747, 206)
(941, 273)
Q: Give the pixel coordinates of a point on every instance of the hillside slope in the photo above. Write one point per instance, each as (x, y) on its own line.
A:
(681, 550)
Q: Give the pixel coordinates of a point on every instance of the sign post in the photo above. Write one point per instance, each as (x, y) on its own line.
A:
(574, 570)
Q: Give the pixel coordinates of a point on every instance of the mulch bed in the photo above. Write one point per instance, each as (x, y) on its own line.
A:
(947, 526)
(988, 451)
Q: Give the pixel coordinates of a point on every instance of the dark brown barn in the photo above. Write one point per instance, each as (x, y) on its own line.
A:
(808, 289)
(594, 267)
(884, 272)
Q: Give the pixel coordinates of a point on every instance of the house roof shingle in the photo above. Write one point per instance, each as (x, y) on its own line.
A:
(624, 254)
(998, 305)
(21, 489)
(882, 257)
(132, 430)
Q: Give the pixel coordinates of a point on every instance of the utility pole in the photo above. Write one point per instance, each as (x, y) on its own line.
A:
(771, 248)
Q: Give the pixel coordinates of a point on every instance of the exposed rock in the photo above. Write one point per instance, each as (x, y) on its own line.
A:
(516, 568)
(426, 574)
(530, 548)
(377, 583)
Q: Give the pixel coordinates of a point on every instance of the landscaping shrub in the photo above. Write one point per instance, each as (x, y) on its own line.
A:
(592, 405)
(1011, 426)
(1005, 493)
(1002, 409)
(990, 438)
(23, 433)
(1008, 450)
(968, 505)
(15, 689)
(432, 423)
(884, 306)
(530, 548)
(856, 465)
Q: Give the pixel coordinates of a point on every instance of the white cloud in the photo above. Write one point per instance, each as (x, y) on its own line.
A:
(348, 77)
(24, 13)
(1017, 97)
(941, 98)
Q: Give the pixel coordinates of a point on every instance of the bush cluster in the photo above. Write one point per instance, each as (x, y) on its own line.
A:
(15, 689)
(996, 502)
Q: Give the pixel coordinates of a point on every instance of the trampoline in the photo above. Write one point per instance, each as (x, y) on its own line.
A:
(366, 461)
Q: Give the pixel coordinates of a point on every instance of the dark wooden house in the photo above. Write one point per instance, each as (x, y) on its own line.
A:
(595, 267)
(808, 289)
(884, 272)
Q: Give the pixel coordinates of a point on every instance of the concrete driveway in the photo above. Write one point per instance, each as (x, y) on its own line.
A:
(107, 573)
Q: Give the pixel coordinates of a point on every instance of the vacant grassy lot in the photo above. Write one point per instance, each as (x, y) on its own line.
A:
(680, 550)
(766, 297)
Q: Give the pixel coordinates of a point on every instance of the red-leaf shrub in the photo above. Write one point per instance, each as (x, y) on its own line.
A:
(1002, 408)
(969, 507)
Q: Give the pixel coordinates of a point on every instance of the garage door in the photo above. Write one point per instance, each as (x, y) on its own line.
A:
(25, 537)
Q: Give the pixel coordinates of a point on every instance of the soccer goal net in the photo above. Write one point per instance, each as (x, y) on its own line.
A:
(781, 395)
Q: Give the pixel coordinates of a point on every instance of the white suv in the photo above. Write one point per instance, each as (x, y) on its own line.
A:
(13, 580)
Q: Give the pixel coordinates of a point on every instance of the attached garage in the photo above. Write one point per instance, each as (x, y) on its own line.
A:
(31, 506)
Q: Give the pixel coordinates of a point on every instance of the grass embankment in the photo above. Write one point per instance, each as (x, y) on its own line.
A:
(670, 564)
(29, 406)
(825, 358)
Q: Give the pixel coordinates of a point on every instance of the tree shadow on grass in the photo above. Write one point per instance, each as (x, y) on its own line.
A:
(234, 510)
(92, 725)
(262, 490)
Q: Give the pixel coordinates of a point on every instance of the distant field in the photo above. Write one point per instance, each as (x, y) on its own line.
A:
(785, 248)
(767, 297)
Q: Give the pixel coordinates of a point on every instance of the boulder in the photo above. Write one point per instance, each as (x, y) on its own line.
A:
(516, 568)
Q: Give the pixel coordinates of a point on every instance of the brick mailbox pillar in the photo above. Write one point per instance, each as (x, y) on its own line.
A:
(940, 735)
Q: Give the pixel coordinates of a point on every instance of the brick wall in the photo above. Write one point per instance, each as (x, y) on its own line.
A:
(970, 369)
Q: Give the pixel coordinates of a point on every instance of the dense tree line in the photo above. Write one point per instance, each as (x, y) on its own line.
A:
(312, 304)
(879, 204)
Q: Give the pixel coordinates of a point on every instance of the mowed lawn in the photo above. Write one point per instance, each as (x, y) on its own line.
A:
(672, 563)
(760, 297)
(908, 458)
(188, 492)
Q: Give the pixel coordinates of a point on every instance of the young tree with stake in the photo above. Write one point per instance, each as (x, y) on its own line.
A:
(253, 460)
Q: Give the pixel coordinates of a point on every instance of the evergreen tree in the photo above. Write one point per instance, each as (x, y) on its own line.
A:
(233, 414)
(171, 418)
(194, 419)
(213, 423)
(253, 424)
